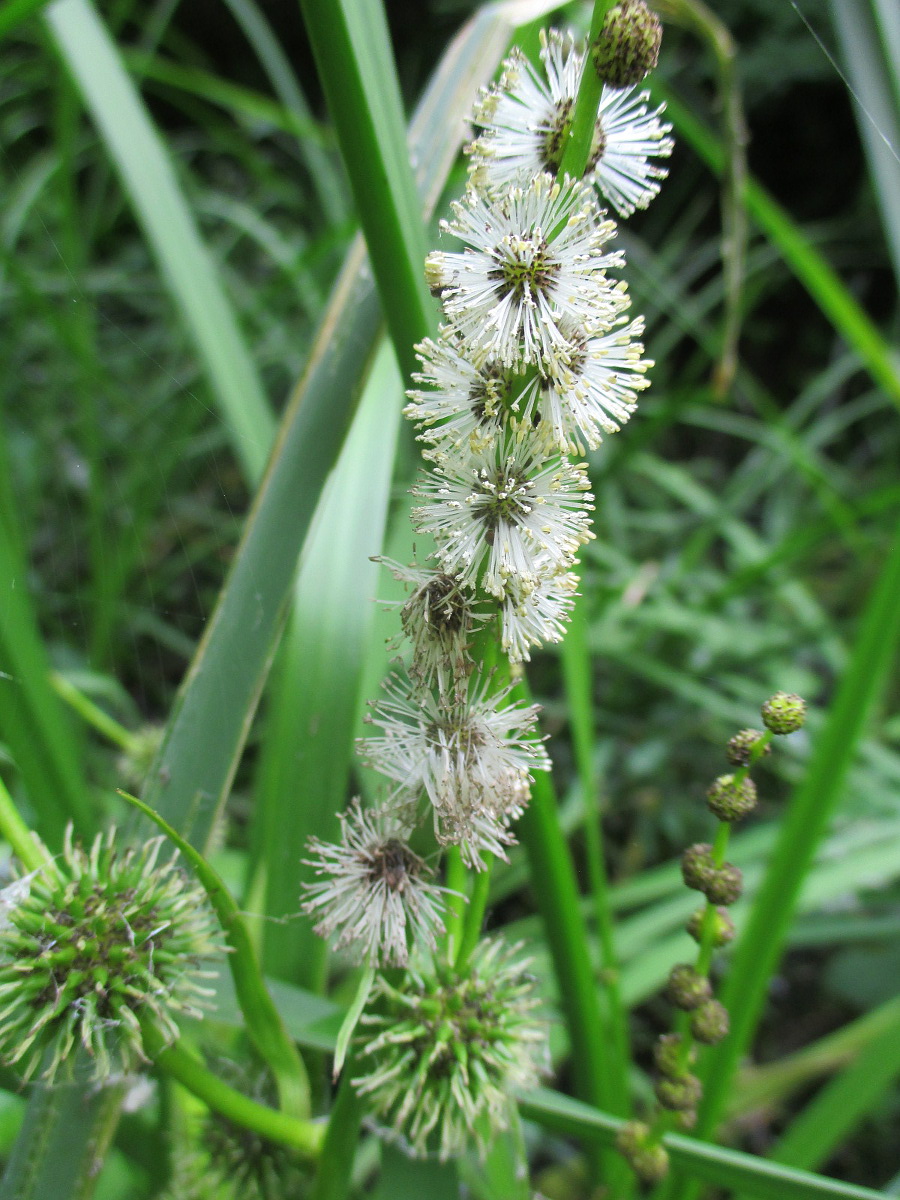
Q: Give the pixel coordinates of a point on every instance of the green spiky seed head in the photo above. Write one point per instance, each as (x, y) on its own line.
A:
(724, 885)
(648, 1159)
(730, 798)
(720, 921)
(686, 988)
(785, 712)
(709, 1022)
(697, 866)
(627, 47)
(98, 943)
(443, 1055)
(670, 1056)
(740, 747)
(681, 1094)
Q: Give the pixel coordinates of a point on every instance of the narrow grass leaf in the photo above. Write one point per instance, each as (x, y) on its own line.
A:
(729, 1169)
(147, 175)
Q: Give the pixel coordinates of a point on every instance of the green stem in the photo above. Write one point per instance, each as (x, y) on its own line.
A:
(264, 1024)
(332, 1181)
(306, 1137)
(91, 713)
(577, 674)
(18, 834)
(581, 132)
(456, 904)
(474, 916)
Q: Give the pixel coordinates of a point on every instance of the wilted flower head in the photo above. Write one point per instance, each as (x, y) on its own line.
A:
(447, 1050)
(533, 259)
(373, 894)
(473, 757)
(440, 622)
(525, 120)
(104, 941)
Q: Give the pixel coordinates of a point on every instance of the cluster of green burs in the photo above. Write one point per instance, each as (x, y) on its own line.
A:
(95, 946)
(689, 989)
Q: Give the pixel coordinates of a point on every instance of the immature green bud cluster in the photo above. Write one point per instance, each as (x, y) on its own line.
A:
(740, 747)
(709, 1022)
(785, 712)
(720, 921)
(682, 1094)
(670, 1056)
(687, 988)
(720, 885)
(647, 1158)
(729, 798)
(627, 47)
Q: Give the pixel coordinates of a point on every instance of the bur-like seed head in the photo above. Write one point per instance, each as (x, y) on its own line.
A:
(102, 941)
(670, 1057)
(785, 712)
(681, 1095)
(722, 926)
(687, 988)
(740, 747)
(443, 1055)
(709, 1022)
(627, 47)
(730, 798)
(648, 1159)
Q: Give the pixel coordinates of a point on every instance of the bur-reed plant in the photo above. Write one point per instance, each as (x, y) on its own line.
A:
(438, 1026)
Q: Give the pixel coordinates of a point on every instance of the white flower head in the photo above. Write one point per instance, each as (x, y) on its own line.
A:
(472, 757)
(439, 621)
(373, 895)
(524, 120)
(594, 390)
(534, 258)
(464, 403)
(536, 617)
(506, 514)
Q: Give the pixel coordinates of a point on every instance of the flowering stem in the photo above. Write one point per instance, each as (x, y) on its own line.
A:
(306, 1137)
(18, 834)
(581, 132)
(456, 904)
(474, 915)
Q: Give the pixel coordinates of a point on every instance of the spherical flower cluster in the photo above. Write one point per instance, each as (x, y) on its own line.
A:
(448, 1049)
(99, 943)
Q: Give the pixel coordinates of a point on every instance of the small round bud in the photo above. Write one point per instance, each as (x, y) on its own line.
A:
(709, 1022)
(697, 866)
(686, 988)
(669, 1056)
(725, 885)
(686, 1119)
(740, 747)
(785, 712)
(647, 1159)
(729, 798)
(722, 926)
(627, 47)
(679, 1094)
